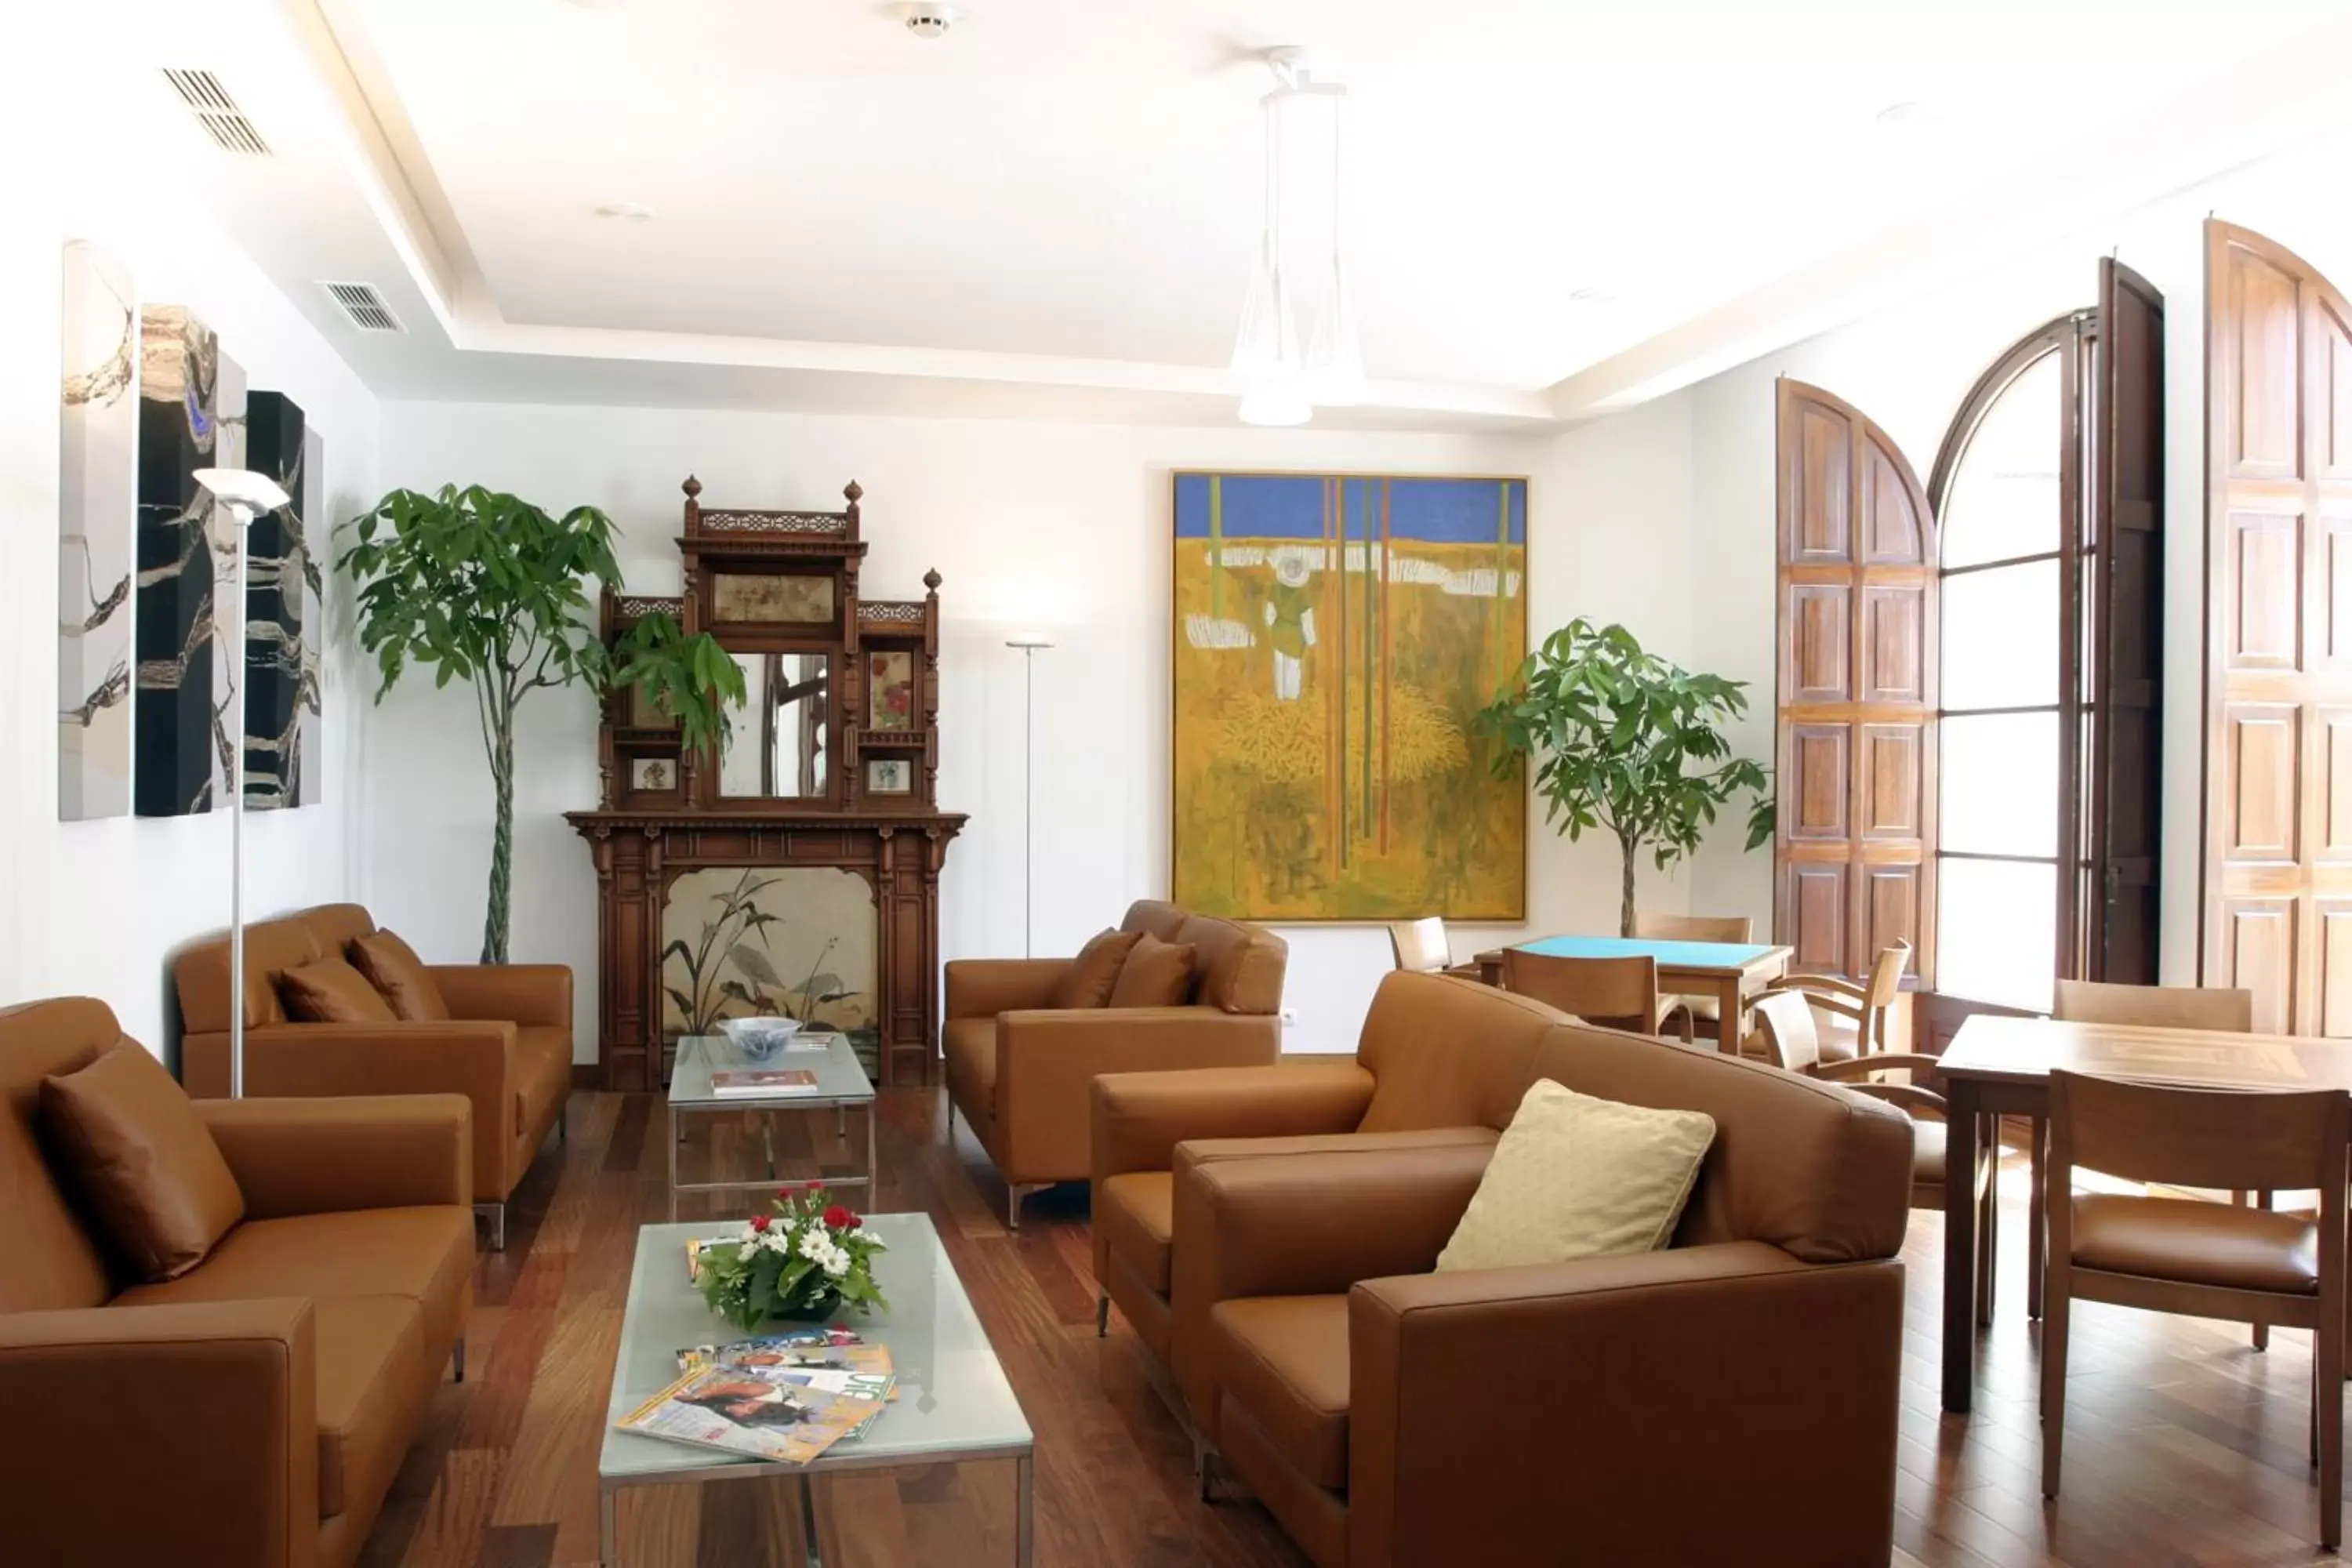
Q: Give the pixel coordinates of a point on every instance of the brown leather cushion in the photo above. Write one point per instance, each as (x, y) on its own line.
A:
(1088, 981)
(392, 966)
(142, 1161)
(1241, 967)
(1137, 1214)
(371, 1366)
(1927, 1151)
(1156, 974)
(2200, 1243)
(421, 1255)
(1284, 1359)
(52, 1255)
(969, 1049)
(330, 991)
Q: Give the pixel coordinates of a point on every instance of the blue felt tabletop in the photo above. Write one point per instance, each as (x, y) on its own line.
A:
(1669, 954)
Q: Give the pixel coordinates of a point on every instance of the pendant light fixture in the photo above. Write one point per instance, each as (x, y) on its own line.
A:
(1297, 349)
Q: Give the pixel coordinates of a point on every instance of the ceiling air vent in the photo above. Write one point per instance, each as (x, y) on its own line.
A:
(363, 307)
(217, 112)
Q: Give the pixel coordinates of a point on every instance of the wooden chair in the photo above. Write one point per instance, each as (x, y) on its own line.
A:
(1706, 1012)
(1615, 993)
(1866, 1004)
(2200, 1259)
(1420, 945)
(1785, 1023)
(2152, 1007)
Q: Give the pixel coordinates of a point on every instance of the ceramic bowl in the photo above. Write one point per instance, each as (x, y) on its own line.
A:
(760, 1038)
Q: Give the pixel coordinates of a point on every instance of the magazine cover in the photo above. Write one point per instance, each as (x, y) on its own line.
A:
(724, 1408)
(837, 1347)
(763, 1080)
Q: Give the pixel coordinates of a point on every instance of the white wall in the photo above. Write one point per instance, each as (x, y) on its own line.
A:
(1064, 527)
(1909, 368)
(98, 907)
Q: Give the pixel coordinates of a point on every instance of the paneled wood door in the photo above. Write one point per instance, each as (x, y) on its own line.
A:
(1856, 691)
(2277, 873)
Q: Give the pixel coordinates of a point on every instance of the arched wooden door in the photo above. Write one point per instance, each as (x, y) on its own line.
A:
(1856, 694)
(2277, 863)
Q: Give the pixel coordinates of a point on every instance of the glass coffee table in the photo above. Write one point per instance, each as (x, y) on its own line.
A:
(954, 1405)
(841, 1084)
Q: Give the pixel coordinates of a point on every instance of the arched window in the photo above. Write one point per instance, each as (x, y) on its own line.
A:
(2009, 494)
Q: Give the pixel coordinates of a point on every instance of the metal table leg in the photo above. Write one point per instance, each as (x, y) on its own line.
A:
(872, 1172)
(674, 1136)
(1023, 1529)
(808, 1521)
(608, 1546)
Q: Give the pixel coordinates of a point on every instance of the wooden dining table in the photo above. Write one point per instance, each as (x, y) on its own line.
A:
(2001, 1067)
(1732, 972)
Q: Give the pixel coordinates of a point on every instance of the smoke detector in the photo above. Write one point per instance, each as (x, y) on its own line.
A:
(929, 18)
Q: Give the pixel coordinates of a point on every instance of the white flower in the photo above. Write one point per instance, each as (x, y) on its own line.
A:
(834, 1262)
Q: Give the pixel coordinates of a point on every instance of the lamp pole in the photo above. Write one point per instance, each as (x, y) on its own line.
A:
(244, 495)
(1028, 643)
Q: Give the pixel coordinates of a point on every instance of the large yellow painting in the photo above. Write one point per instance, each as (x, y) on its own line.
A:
(1334, 633)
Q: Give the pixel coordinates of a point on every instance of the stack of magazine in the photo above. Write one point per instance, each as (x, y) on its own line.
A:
(784, 1398)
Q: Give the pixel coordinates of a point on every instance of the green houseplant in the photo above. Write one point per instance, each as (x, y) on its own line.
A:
(1625, 740)
(491, 590)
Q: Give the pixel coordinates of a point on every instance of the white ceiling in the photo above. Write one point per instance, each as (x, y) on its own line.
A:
(1052, 208)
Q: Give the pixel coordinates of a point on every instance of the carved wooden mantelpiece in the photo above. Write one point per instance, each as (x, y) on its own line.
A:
(833, 764)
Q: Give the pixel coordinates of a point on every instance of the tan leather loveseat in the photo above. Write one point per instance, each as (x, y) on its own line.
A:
(252, 1411)
(1732, 1397)
(506, 1048)
(1018, 1069)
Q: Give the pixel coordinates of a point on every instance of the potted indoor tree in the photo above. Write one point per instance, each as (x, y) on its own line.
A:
(1624, 740)
(492, 591)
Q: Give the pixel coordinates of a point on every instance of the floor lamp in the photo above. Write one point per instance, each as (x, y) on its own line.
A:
(245, 495)
(1028, 643)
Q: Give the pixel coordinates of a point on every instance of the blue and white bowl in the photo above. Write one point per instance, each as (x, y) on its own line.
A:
(759, 1039)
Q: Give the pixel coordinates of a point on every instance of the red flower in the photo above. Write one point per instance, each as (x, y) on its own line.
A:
(816, 1188)
(856, 1223)
(839, 1218)
(759, 1221)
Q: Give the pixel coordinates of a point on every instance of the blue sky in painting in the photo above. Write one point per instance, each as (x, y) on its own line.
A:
(1290, 506)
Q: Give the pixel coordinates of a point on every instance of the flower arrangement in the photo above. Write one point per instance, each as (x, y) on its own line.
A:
(805, 1260)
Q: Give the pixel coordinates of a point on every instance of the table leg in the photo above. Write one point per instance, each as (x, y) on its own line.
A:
(1023, 1529)
(841, 1122)
(1730, 1017)
(675, 1134)
(808, 1521)
(872, 1168)
(1959, 1325)
(608, 1545)
(2038, 1129)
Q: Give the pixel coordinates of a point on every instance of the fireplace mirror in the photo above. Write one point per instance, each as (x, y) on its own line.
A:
(782, 740)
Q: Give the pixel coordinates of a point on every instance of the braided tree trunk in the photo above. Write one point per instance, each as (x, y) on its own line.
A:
(496, 923)
(1625, 910)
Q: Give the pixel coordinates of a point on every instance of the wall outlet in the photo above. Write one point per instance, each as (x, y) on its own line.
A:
(1290, 1018)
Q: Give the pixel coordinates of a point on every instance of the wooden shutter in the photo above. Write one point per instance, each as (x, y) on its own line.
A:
(2276, 895)
(1856, 742)
(2126, 797)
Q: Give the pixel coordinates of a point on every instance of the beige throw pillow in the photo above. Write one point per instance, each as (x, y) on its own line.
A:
(1573, 1176)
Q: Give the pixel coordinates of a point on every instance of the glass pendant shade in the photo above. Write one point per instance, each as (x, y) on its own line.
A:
(1298, 346)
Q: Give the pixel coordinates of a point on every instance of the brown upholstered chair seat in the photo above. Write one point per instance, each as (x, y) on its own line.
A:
(2202, 1243)
(968, 1049)
(1138, 1212)
(1284, 1361)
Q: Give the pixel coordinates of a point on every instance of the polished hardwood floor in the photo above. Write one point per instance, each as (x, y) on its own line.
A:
(2184, 1445)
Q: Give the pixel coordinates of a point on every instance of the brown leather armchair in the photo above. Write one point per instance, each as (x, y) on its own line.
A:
(1440, 1062)
(258, 1406)
(508, 1047)
(1019, 1069)
(1731, 1397)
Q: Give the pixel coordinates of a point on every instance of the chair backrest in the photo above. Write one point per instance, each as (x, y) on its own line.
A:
(1447, 1052)
(1236, 967)
(2219, 1139)
(1420, 945)
(1797, 1162)
(48, 1258)
(272, 947)
(1791, 1040)
(1886, 974)
(2155, 1006)
(1693, 928)
(1621, 991)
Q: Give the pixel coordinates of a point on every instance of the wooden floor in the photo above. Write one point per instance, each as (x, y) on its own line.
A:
(2184, 1445)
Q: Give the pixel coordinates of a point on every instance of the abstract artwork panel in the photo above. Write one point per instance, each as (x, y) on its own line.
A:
(890, 690)
(180, 746)
(770, 599)
(1334, 635)
(795, 941)
(282, 607)
(97, 426)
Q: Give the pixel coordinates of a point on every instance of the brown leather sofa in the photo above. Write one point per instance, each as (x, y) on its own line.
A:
(1019, 1068)
(508, 1047)
(1732, 1397)
(252, 1412)
(1438, 1062)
